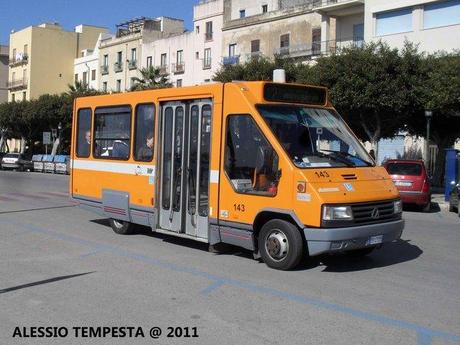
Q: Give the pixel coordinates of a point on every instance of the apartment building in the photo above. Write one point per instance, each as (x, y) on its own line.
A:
(42, 58)
(4, 54)
(432, 25)
(192, 57)
(86, 67)
(120, 55)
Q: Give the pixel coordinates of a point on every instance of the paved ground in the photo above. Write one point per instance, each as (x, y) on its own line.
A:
(62, 266)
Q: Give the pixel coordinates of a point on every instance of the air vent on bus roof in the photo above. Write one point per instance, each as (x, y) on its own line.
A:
(349, 176)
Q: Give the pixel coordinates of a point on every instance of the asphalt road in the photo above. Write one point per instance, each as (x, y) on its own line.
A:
(63, 266)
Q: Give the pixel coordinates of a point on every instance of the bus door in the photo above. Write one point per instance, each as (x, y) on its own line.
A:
(184, 186)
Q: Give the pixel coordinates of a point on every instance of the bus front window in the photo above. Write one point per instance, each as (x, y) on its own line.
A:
(314, 137)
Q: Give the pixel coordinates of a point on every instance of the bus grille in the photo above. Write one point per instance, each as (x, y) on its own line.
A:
(373, 212)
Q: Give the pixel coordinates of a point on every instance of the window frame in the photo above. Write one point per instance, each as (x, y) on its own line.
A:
(428, 5)
(135, 131)
(229, 180)
(93, 134)
(396, 10)
(90, 151)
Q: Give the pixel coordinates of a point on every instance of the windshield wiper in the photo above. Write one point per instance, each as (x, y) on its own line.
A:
(335, 157)
(346, 156)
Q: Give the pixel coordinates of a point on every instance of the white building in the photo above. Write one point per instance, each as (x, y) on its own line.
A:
(190, 58)
(86, 67)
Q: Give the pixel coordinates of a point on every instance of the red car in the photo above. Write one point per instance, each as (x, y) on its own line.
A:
(411, 179)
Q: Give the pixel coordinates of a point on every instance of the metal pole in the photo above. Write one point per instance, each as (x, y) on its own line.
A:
(428, 144)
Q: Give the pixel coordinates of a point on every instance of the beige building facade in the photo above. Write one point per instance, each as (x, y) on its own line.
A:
(42, 58)
(4, 60)
(121, 55)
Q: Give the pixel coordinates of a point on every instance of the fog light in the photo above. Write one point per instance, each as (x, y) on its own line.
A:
(397, 206)
(336, 245)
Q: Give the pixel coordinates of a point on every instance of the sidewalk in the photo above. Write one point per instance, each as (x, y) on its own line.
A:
(439, 199)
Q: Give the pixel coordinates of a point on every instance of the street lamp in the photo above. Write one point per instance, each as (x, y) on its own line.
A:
(59, 133)
(428, 116)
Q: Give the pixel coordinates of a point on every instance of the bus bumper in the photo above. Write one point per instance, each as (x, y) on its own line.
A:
(333, 240)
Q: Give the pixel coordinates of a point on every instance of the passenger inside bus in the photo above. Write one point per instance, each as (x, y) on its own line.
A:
(145, 153)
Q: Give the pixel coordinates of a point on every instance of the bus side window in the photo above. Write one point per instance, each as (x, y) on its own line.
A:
(83, 133)
(144, 132)
(112, 137)
(251, 163)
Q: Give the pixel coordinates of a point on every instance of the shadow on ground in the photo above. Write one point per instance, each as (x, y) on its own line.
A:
(389, 254)
(435, 208)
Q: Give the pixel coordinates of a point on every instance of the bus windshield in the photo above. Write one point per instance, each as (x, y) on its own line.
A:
(314, 137)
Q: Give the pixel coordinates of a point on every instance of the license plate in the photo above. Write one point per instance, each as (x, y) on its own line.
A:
(403, 184)
(374, 240)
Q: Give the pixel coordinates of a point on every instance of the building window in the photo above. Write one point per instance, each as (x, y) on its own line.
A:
(197, 29)
(242, 13)
(83, 133)
(13, 97)
(93, 74)
(24, 75)
(180, 57)
(284, 44)
(197, 55)
(133, 55)
(118, 85)
(75, 79)
(26, 49)
(441, 14)
(163, 59)
(179, 83)
(119, 57)
(208, 33)
(144, 132)
(149, 61)
(231, 49)
(264, 8)
(85, 78)
(24, 95)
(112, 135)
(14, 55)
(255, 46)
(106, 60)
(246, 146)
(207, 58)
(316, 41)
(393, 22)
(104, 86)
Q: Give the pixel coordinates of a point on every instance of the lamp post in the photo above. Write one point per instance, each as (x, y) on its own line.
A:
(428, 116)
(59, 133)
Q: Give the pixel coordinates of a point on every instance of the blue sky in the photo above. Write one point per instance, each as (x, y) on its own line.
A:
(69, 13)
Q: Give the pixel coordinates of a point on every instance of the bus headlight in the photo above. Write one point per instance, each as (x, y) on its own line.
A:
(398, 206)
(337, 213)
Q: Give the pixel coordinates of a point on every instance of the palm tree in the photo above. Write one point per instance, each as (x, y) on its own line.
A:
(151, 78)
(81, 89)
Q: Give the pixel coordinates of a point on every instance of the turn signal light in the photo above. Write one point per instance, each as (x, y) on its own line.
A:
(301, 187)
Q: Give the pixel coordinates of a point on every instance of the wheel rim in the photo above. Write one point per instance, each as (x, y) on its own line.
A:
(277, 245)
(118, 224)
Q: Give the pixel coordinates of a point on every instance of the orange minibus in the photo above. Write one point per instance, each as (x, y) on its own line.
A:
(270, 167)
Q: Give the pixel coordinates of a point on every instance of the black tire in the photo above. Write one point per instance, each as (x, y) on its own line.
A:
(359, 253)
(281, 245)
(426, 207)
(122, 227)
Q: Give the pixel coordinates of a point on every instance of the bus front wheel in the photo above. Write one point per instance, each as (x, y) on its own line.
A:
(280, 244)
(121, 227)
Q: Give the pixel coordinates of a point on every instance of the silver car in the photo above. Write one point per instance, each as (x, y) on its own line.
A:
(12, 161)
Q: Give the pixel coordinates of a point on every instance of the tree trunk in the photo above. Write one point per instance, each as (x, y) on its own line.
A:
(23, 144)
(55, 147)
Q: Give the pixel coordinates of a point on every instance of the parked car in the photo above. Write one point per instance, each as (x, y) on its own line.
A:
(16, 161)
(2, 154)
(411, 179)
(454, 199)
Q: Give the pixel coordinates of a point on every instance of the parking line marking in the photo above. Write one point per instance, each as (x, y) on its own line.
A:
(424, 334)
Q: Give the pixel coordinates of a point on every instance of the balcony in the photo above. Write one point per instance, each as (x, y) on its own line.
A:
(310, 50)
(208, 36)
(163, 69)
(132, 64)
(117, 67)
(207, 63)
(19, 60)
(231, 60)
(178, 68)
(339, 7)
(104, 69)
(17, 84)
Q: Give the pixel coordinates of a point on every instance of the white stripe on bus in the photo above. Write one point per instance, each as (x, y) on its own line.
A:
(114, 167)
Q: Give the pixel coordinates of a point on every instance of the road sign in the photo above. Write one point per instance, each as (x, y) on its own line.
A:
(46, 138)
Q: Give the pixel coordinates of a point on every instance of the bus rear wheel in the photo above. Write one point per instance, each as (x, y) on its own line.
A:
(122, 227)
(280, 244)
